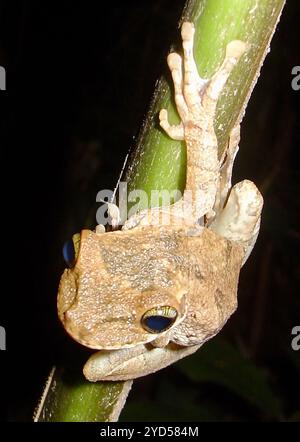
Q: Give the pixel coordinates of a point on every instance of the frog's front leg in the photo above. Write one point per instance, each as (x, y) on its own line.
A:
(131, 363)
(196, 100)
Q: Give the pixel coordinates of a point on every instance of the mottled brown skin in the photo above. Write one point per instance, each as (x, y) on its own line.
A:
(119, 275)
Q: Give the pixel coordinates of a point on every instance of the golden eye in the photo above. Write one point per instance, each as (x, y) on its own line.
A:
(71, 250)
(159, 319)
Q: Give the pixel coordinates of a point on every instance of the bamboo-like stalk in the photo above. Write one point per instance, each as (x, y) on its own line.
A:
(68, 397)
(159, 162)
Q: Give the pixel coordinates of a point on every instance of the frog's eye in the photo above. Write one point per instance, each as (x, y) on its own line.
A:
(71, 249)
(159, 319)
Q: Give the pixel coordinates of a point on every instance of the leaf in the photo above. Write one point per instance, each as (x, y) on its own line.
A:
(220, 363)
(172, 403)
(295, 417)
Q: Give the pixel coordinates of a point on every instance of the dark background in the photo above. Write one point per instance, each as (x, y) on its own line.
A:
(79, 81)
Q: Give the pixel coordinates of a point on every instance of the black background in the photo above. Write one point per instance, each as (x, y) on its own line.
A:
(79, 80)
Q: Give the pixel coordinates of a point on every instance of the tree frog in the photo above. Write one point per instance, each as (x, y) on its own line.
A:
(150, 293)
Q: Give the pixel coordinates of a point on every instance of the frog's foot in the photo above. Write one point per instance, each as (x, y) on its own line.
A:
(195, 97)
(239, 221)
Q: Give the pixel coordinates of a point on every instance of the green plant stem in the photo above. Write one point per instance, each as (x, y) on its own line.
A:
(68, 397)
(159, 162)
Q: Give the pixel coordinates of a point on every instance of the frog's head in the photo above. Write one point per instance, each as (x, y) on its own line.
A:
(122, 288)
